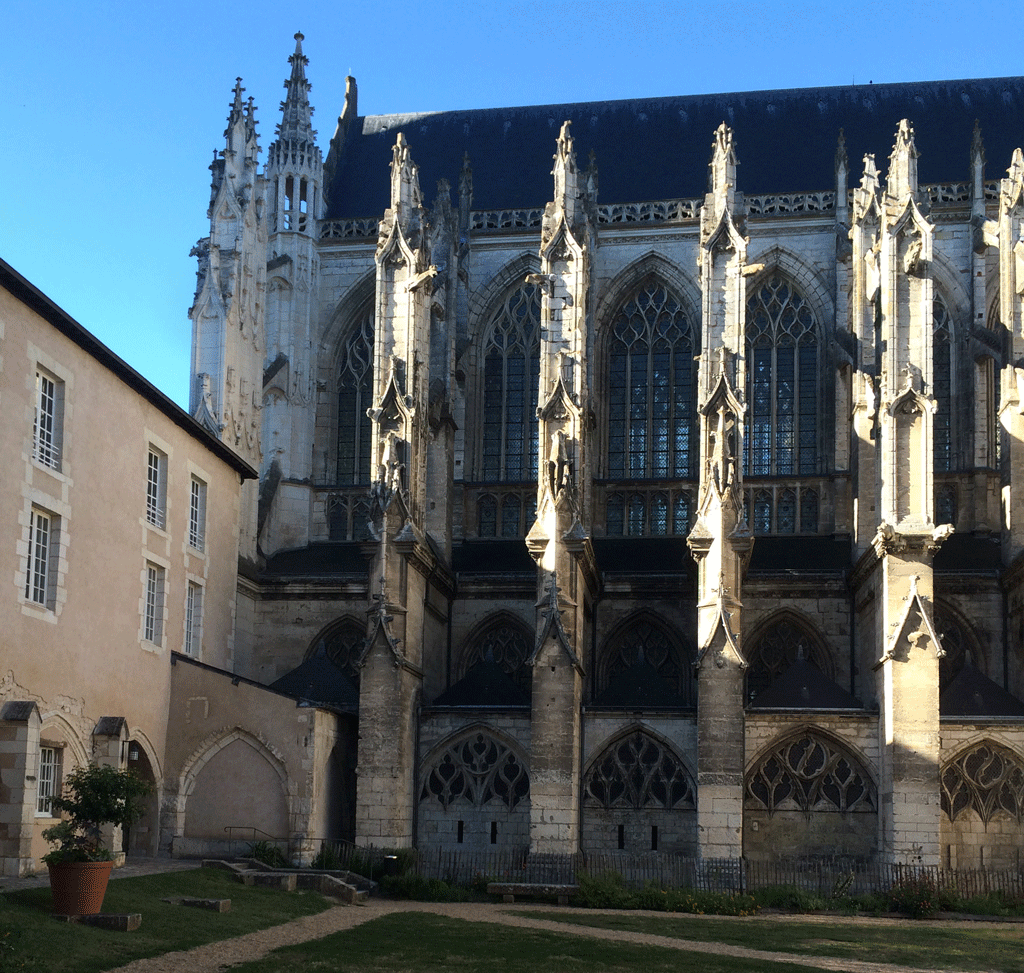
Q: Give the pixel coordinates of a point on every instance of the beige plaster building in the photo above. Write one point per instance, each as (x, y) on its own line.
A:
(121, 526)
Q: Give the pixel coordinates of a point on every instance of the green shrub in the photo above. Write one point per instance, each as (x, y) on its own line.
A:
(790, 897)
(327, 858)
(410, 886)
(915, 897)
(605, 890)
(268, 854)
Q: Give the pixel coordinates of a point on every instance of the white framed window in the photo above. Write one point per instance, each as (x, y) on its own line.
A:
(41, 569)
(48, 779)
(153, 614)
(156, 488)
(194, 620)
(47, 427)
(197, 515)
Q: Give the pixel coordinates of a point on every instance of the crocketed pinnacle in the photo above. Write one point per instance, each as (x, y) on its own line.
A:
(296, 114)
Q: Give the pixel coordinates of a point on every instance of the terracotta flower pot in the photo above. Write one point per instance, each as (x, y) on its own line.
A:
(78, 887)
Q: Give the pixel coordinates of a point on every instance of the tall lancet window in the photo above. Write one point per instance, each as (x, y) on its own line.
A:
(942, 386)
(651, 406)
(511, 380)
(355, 396)
(782, 381)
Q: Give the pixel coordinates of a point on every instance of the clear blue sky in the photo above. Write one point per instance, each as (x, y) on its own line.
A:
(111, 110)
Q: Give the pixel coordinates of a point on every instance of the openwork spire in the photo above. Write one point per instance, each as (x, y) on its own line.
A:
(296, 123)
(902, 181)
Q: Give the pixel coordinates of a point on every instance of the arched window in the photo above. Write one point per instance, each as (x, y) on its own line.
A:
(776, 649)
(810, 773)
(942, 383)
(511, 380)
(343, 645)
(782, 381)
(355, 396)
(477, 770)
(638, 772)
(986, 778)
(509, 645)
(651, 387)
(957, 644)
(645, 640)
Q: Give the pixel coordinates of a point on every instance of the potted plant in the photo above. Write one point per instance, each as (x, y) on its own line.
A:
(80, 863)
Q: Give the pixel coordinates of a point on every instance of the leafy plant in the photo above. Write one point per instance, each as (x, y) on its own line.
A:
(914, 897)
(411, 886)
(268, 853)
(93, 796)
(327, 858)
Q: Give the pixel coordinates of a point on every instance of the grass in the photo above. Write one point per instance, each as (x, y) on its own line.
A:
(418, 941)
(32, 942)
(926, 947)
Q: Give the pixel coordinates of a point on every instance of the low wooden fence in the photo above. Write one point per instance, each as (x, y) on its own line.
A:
(822, 877)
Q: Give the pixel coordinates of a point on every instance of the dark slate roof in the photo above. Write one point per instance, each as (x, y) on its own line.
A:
(971, 693)
(110, 726)
(319, 682)
(493, 557)
(658, 148)
(340, 557)
(969, 552)
(643, 555)
(639, 687)
(782, 553)
(486, 684)
(804, 686)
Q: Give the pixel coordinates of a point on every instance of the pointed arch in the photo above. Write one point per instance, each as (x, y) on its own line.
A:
(959, 642)
(651, 264)
(785, 352)
(646, 637)
(777, 642)
(475, 766)
(809, 769)
(638, 768)
(649, 339)
(345, 389)
(986, 777)
(507, 640)
(506, 374)
(343, 641)
(54, 721)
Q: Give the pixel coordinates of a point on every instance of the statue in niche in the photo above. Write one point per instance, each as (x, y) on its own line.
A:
(560, 468)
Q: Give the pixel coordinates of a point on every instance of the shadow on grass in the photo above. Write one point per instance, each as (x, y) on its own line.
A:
(30, 940)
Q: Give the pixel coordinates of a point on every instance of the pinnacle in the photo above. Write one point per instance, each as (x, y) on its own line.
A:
(296, 112)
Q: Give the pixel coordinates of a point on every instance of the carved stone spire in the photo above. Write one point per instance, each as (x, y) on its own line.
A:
(902, 177)
(296, 123)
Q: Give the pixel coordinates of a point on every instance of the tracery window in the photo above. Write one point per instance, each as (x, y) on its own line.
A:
(988, 779)
(776, 649)
(956, 644)
(639, 772)
(942, 382)
(512, 518)
(507, 644)
(810, 773)
(644, 640)
(656, 512)
(945, 504)
(343, 645)
(651, 387)
(355, 396)
(782, 381)
(511, 381)
(476, 770)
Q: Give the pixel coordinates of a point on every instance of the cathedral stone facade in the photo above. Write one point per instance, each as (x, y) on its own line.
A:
(636, 475)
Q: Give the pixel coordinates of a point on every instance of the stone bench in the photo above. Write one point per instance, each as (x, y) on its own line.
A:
(509, 890)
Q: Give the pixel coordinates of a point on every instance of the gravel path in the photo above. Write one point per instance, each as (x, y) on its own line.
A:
(216, 957)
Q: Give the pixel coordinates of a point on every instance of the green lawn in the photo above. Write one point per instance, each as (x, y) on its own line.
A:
(404, 942)
(30, 940)
(907, 944)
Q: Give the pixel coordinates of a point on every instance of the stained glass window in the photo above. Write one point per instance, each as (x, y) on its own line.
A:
(355, 396)
(511, 379)
(782, 382)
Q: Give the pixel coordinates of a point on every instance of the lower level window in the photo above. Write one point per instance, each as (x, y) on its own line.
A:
(40, 576)
(153, 620)
(48, 786)
(194, 619)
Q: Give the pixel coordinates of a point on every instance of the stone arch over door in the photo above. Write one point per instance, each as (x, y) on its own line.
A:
(233, 781)
(639, 795)
(474, 792)
(982, 794)
(143, 836)
(776, 643)
(809, 794)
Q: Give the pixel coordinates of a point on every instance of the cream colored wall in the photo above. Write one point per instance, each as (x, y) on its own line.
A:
(84, 657)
